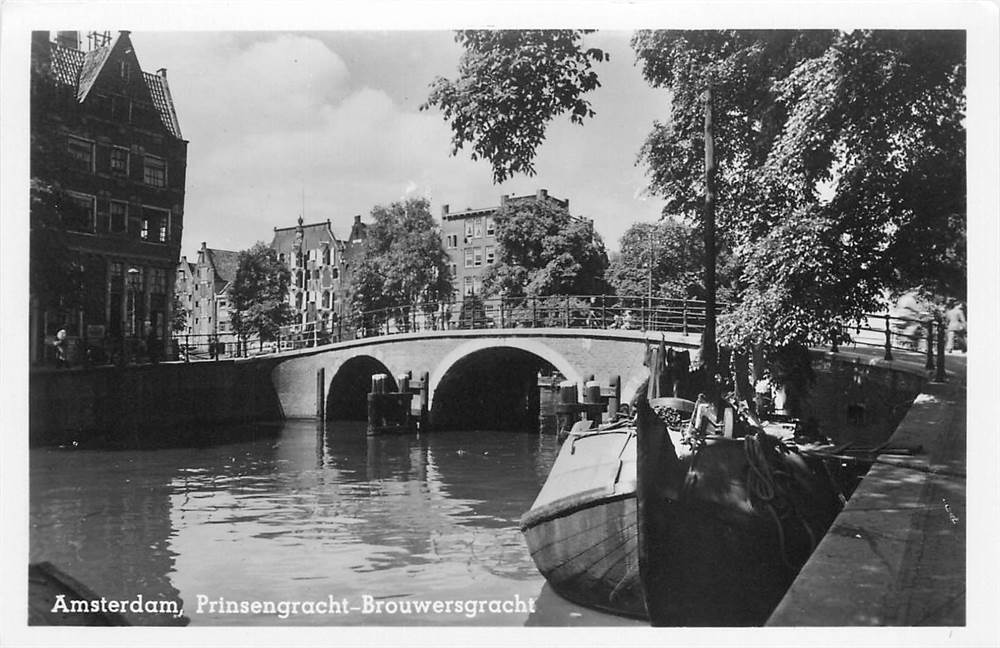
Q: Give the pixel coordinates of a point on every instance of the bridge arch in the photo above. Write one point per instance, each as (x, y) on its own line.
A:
(492, 380)
(347, 396)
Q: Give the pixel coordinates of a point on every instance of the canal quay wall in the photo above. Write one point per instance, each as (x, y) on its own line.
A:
(149, 406)
(896, 554)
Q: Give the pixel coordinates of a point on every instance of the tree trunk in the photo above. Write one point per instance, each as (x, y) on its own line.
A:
(708, 343)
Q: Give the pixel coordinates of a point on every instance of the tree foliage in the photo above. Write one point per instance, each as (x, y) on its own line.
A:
(543, 250)
(678, 256)
(510, 84)
(257, 304)
(841, 160)
(405, 261)
(840, 155)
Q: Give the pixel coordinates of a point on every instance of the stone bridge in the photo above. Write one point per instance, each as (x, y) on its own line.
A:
(476, 377)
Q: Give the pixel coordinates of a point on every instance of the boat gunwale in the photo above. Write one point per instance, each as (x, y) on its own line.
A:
(565, 506)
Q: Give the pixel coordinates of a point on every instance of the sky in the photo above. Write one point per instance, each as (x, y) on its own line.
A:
(331, 120)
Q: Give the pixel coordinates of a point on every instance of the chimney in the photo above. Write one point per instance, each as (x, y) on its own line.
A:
(69, 39)
(542, 194)
(566, 204)
(357, 219)
(444, 209)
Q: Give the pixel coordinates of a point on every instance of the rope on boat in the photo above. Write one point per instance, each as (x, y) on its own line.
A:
(765, 492)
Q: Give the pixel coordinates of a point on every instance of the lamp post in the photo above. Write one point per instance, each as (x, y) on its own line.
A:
(133, 275)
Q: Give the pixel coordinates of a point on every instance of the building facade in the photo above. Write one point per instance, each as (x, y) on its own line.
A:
(108, 166)
(470, 240)
(208, 293)
(318, 289)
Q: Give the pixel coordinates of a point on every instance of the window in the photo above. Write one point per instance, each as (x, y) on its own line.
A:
(468, 257)
(78, 212)
(81, 153)
(467, 286)
(490, 255)
(119, 160)
(468, 228)
(222, 303)
(477, 285)
(478, 227)
(326, 255)
(479, 257)
(453, 269)
(154, 171)
(125, 71)
(326, 300)
(490, 226)
(158, 281)
(334, 273)
(119, 215)
(452, 241)
(155, 223)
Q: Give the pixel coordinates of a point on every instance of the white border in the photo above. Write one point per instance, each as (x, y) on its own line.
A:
(980, 19)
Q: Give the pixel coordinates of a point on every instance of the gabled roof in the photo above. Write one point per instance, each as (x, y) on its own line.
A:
(80, 70)
(314, 236)
(224, 262)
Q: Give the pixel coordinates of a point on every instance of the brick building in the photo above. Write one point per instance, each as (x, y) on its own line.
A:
(108, 165)
(212, 274)
(318, 289)
(470, 240)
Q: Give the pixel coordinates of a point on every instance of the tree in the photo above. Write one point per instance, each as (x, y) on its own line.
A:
(832, 143)
(180, 319)
(405, 262)
(841, 165)
(511, 83)
(678, 258)
(543, 250)
(257, 298)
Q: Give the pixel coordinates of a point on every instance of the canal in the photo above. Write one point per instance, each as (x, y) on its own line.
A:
(311, 514)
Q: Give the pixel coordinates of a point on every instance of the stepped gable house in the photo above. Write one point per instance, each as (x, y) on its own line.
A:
(212, 275)
(108, 154)
(317, 291)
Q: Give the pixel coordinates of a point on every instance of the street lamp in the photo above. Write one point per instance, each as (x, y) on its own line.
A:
(133, 275)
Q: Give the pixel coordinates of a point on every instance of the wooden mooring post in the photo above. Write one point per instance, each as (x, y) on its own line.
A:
(389, 412)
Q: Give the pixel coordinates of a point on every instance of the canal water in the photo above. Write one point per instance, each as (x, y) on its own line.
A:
(357, 530)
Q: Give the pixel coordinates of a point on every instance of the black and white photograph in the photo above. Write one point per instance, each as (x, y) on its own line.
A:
(405, 323)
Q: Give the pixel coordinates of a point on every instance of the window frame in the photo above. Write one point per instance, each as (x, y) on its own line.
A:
(111, 220)
(146, 159)
(70, 140)
(111, 160)
(469, 257)
(163, 234)
(75, 195)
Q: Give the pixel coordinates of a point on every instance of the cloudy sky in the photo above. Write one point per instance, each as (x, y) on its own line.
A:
(334, 115)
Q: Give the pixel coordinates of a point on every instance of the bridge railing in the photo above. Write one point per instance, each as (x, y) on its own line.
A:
(885, 331)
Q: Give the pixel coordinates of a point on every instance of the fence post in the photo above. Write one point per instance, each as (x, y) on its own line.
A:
(930, 345)
(604, 311)
(940, 374)
(534, 312)
(501, 311)
(684, 316)
(834, 334)
(888, 339)
(187, 347)
(566, 298)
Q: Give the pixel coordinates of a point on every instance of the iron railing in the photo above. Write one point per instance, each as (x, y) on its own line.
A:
(890, 333)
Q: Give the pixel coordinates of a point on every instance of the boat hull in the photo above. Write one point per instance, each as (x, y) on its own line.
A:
(590, 555)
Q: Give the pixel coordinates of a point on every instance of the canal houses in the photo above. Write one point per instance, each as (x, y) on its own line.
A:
(108, 168)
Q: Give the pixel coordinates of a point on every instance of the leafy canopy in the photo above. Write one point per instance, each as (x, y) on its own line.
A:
(841, 166)
(405, 261)
(510, 84)
(840, 156)
(543, 250)
(257, 297)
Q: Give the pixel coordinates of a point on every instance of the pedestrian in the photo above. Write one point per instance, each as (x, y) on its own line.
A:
(956, 340)
(627, 320)
(60, 345)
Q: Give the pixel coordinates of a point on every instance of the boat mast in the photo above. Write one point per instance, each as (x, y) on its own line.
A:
(708, 344)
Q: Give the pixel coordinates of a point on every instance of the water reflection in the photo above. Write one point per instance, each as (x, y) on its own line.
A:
(313, 513)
